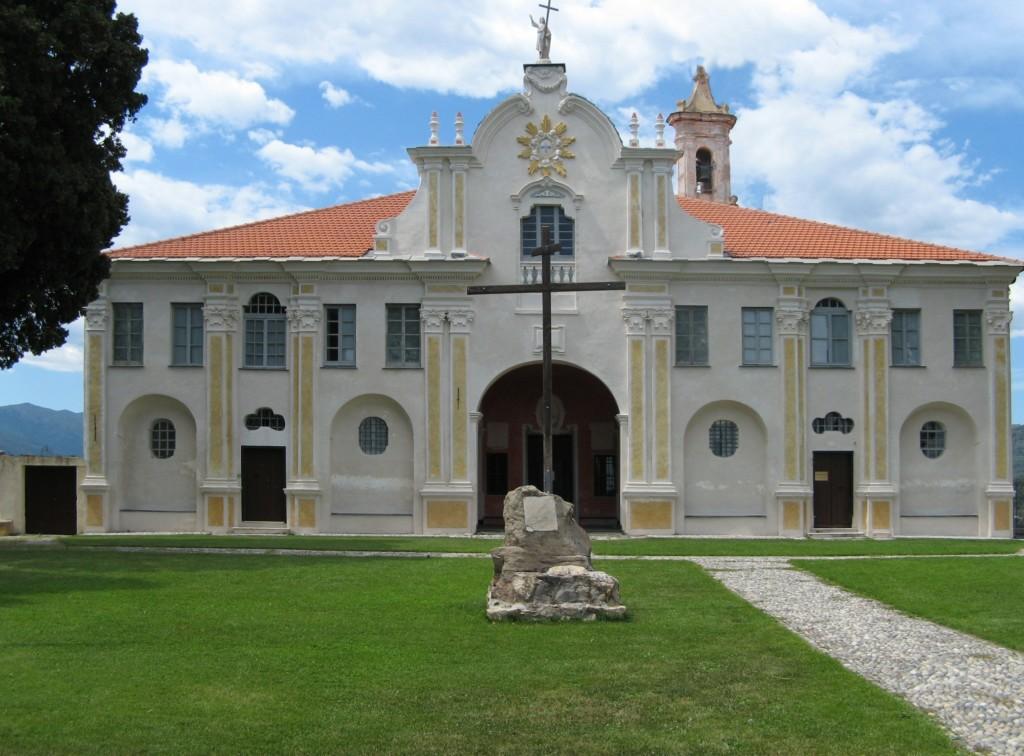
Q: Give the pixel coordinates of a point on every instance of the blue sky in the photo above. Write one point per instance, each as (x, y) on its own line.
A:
(901, 117)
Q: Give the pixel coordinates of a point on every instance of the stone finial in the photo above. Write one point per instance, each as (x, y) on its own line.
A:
(459, 125)
(634, 131)
(659, 131)
(435, 125)
(701, 100)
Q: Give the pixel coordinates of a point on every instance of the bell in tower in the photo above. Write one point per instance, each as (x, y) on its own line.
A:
(702, 137)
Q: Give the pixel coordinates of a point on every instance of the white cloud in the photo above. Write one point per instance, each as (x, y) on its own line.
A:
(214, 98)
(64, 359)
(262, 136)
(320, 169)
(162, 207)
(336, 97)
(138, 149)
(169, 132)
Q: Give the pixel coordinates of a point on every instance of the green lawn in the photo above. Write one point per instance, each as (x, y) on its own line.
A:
(131, 652)
(983, 597)
(622, 546)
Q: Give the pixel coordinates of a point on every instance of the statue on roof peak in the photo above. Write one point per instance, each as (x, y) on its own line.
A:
(544, 32)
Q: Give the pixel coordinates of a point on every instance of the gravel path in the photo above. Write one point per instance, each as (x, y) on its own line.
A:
(973, 687)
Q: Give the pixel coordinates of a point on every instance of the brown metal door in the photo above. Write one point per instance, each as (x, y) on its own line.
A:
(51, 494)
(833, 489)
(263, 482)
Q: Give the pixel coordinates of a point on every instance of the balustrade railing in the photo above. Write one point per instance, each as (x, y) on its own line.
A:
(561, 272)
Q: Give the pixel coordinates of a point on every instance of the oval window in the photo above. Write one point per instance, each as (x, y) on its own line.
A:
(723, 438)
(373, 435)
(162, 439)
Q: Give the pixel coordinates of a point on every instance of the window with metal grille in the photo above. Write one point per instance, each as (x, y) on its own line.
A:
(264, 417)
(967, 338)
(723, 438)
(264, 332)
(933, 439)
(691, 335)
(186, 334)
(373, 435)
(403, 335)
(757, 335)
(162, 439)
(340, 335)
(833, 421)
(830, 334)
(127, 333)
(562, 230)
(497, 473)
(905, 335)
(605, 475)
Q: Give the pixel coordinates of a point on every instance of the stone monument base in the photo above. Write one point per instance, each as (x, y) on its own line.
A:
(543, 572)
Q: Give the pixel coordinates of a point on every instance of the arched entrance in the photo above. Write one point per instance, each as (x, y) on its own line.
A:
(586, 443)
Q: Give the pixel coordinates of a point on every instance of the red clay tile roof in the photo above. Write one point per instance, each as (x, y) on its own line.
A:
(338, 231)
(347, 231)
(756, 233)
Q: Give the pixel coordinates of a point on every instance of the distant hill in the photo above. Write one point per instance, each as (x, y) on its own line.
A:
(1018, 451)
(28, 429)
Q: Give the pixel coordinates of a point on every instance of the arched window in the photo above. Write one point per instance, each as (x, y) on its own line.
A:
(830, 334)
(933, 439)
(562, 230)
(723, 438)
(264, 332)
(373, 435)
(162, 439)
(833, 421)
(705, 171)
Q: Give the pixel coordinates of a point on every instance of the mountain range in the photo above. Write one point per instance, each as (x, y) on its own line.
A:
(28, 429)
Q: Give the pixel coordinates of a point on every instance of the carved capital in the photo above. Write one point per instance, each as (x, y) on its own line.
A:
(661, 320)
(998, 321)
(433, 319)
(460, 320)
(873, 321)
(304, 318)
(220, 316)
(791, 321)
(635, 320)
(96, 316)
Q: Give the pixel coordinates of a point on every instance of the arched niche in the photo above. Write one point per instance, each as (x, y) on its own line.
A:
(153, 481)
(371, 488)
(725, 486)
(947, 484)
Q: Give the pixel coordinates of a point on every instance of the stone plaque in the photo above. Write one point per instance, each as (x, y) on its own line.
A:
(539, 513)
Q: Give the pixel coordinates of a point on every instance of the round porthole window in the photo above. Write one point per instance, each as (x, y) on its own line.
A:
(373, 435)
(162, 439)
(723, 438)
(933, 439)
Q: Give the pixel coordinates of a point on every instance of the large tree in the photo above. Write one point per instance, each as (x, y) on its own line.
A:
(68, 71)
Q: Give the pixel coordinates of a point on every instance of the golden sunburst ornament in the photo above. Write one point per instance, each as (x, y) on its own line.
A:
(546, 147)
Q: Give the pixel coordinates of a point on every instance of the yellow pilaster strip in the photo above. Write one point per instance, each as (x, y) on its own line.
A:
(881, 413)
(296, 359)
(790, 421)
(866, 453)
(460, 210)
(216, 404)
(1002, 408)
(634, 211)
(306, 403)
(434, 406)
(801, 404)
(433, 183)
(94, 395)
(661, 408)
(229, 403)
(662, 191)
(460, 415)
(636, 408)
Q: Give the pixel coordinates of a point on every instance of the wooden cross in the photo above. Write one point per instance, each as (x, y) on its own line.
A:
(546, 288)
(548, 8)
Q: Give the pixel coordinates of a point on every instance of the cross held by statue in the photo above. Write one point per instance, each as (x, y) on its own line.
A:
(545, 288)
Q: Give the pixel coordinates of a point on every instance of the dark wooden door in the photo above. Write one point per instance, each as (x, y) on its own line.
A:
(562, 464)
(833, 489)
(51, 495)
(263, 482)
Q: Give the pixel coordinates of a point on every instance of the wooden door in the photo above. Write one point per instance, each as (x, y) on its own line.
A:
(51, 495)
(263, 482)
(833, 489)
(563, 464)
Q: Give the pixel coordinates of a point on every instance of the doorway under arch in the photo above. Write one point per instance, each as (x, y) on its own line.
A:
(586, 443)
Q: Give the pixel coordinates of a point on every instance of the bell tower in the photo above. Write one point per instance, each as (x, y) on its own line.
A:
(702, 137)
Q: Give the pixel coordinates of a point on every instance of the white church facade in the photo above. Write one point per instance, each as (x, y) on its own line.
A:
(327, 372)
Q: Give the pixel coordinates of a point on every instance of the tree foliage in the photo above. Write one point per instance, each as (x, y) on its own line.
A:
(68, 71)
